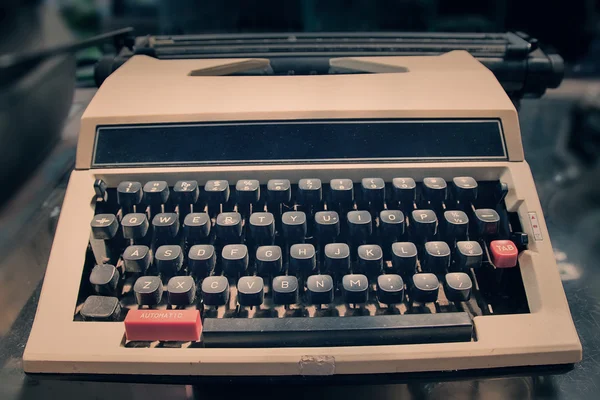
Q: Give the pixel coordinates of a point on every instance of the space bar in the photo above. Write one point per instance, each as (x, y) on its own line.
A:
(338, 331)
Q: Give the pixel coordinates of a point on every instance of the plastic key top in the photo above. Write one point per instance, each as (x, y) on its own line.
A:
(215, 291)
(309, 192)
(196, 226)
(405, 191)
(487, 221)
(268, 260)
(458, 286)
(465, 189)
(425, 287)
(129, 194)
(468, 255)
(164, 325)
(436, 257)
(135, 226)
(104, 279)
(186, 192)
(136, 259)
(319, 289)
(302, 259)
(373, 190)
(104, 226)
(181, 290)
(101, 308)
(202, 260)
(156, 192)
(229, 227)
(148, 290)
(250, 291)
(504, 253)
(434, 190)
(424, 223)
(355, 288)
(285, 289)
(390, 289)
(294, 226)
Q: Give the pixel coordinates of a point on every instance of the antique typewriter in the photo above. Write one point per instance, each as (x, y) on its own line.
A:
(227, 220)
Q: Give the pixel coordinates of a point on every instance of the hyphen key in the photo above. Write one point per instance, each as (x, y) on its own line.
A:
(164, 325)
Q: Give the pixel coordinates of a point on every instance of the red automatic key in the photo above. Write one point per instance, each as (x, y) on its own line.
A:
(171, 325)
(504, 253)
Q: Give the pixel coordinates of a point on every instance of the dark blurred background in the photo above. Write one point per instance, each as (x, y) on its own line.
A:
(40, 108)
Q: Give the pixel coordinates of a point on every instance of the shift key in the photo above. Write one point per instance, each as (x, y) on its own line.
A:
(163, 325)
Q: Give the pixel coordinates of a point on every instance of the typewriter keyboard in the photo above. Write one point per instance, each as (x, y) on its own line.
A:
(308, 263)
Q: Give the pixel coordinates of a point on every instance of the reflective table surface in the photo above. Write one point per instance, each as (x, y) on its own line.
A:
(572, 208)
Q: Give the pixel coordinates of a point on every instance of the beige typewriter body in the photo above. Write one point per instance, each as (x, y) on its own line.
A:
(146, 90)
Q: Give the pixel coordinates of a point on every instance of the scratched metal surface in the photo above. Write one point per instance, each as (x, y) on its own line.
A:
(573, 215)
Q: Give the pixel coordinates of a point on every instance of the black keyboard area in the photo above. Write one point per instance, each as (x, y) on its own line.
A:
(309, 263)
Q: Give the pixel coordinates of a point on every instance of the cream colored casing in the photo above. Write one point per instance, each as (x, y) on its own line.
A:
(146, 90)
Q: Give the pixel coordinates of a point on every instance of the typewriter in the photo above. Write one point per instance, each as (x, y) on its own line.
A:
(232, 224)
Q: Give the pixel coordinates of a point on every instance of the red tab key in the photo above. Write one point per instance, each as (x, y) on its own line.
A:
(164, 325)
(504, 253)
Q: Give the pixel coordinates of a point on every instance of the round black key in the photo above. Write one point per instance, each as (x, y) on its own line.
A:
(250, 291)
(105, 279)
(337, 258)
(468, 254)
(101, 308)
(293, 225)
(458, 286)
(196, 226)
(435, 190)
(391, 225)
(215, 291)
(181, 290)
(464, 189)
(186, 192)
(262, 227)
(455, 225)
(168, 260)
(104, 226)
(135, 226)
(285, 290)
(235, 259)
(370, 259)
(341, 191)
(156, 192)
(373, 190)
(302, 259)
(279, 191)
(405, 191)
(129, 194)
(327, 225)
(148, 290)
(202, 260)
(404, 258)
(487, 222)
(229, 227)
(425, 288)
(166, 225)
(309, 192)
(268, 260)
(390, 289)
(136, 259)
(424, 224)
(355, 288)
(436, 258)
(319, 289)
(360, 226)
(217, 192)
(247, 191)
